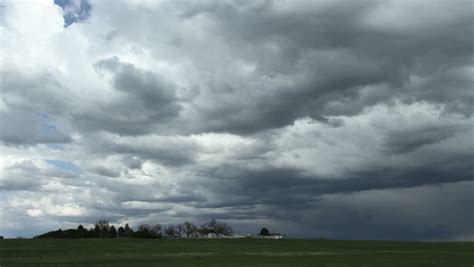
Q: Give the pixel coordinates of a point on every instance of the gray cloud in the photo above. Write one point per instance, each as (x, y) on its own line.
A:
(331, 53)
(27, 175)
(145, 100)
(34, 92)
(21, 177)
(105, 172)
(33, 129)
(408, 141)
(314, 118)
(133, 162)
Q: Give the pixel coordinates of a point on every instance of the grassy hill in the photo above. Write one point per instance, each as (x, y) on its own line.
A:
(243, 252)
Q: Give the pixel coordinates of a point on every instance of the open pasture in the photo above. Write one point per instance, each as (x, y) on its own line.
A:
(243, 252)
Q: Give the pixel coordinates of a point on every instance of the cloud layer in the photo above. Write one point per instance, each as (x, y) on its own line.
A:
(314, 118)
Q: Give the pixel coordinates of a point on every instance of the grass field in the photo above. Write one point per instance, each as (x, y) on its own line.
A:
(244, 252)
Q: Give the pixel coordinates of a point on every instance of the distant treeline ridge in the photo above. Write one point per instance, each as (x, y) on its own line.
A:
(102, 229)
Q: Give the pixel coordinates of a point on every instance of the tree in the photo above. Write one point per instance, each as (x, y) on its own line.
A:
(112, 232)
(103, 224)
(211, 224)
(264, 231)
(104, 232)
(103, 227)
(143, 231)
(190, 229)
(81, 232)
(155, 230)
(170, 231)
(89, 233)
(148, 231)
(219, 227)
(121, 232)
(128, 230)
(96, 232)
(223, 229)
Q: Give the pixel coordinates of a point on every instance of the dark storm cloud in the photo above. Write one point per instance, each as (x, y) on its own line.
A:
(327, 208)
(291, 188)
(148, 88)
(338, 51)
(404, 141)
(449, 86)
(172, 199)
(288, 194)
(413, 213)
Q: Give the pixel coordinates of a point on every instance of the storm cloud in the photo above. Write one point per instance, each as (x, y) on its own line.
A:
(333, 119)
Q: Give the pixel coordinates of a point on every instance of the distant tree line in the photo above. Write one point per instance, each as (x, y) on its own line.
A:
(103, 229)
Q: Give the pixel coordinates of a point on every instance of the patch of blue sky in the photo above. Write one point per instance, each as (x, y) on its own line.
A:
(64, 165)
(74, 10)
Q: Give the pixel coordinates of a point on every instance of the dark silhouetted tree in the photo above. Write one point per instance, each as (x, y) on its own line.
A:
(223, 229)
(155, 231)
(128, 231)
(104, 232)
(121, 232)
(219, 227)
(104, 228)
(96, 232)
(81, 232)
(264, 231)
(143, 231)
(211, 224)
(112, 232)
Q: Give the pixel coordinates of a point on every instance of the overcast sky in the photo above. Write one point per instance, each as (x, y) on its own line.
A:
(337, 119)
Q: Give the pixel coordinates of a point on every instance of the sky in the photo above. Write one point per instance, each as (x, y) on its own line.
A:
(313, 118)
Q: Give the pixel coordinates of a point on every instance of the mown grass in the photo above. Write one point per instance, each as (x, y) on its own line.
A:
(244, 252)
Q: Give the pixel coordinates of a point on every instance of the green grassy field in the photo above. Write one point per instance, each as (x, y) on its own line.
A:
(244, 252)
